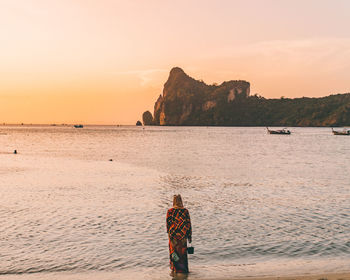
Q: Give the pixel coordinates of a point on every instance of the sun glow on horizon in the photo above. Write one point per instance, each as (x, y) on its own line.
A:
(106, 62)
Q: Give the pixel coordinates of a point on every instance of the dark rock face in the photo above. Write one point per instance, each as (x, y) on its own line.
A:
(186, 101)
(147, 118)
(138, 123)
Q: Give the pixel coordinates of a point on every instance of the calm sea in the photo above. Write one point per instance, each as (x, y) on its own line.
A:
(260, 204)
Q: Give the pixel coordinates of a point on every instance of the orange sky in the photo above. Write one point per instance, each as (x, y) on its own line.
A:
(105, 62)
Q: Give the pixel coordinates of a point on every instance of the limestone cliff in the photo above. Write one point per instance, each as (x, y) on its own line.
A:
(147, 118)
(185, 99)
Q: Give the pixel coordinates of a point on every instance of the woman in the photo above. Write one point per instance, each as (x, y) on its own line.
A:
(179, 230)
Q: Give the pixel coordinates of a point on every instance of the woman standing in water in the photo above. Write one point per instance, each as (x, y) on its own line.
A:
(179, 230)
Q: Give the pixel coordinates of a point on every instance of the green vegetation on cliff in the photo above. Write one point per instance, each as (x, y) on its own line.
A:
(332, 110)
(186, 101)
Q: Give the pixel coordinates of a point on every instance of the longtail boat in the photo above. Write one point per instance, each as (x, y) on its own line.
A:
(283, 131)
(343, 132)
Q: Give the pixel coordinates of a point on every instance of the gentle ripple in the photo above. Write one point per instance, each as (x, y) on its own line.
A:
(256, 200)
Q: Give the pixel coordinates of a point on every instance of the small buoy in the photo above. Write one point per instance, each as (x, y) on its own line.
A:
(15, 151)
(111, 160)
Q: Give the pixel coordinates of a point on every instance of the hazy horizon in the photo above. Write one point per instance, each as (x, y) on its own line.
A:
(106, 62)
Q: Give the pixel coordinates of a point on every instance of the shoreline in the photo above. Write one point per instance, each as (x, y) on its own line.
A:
(112, 275)
(321, 276)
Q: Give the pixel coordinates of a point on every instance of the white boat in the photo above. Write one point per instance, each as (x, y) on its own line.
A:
(343, 132)
(283, 131)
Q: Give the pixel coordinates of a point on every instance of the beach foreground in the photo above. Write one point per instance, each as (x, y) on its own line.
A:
(331, 276)
(110, 276)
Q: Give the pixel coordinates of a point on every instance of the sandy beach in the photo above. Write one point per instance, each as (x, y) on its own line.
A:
(111, 275)
(327, 276)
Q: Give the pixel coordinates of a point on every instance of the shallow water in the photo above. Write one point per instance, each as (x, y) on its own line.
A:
(260, 204)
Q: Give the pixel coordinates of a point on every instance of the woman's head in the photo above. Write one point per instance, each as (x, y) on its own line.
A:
(177, 201)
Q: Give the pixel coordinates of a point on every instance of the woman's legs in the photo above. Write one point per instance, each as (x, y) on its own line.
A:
(180, 248)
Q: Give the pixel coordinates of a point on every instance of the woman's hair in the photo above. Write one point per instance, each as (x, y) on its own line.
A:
(177, 201)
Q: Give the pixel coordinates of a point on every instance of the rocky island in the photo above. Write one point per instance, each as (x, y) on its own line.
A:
(186, 101)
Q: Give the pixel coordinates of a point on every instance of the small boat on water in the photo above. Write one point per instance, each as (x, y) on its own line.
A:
(78, 126)
(343, 132)
(283, 131)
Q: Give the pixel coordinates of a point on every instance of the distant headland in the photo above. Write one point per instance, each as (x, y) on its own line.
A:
(186, 101)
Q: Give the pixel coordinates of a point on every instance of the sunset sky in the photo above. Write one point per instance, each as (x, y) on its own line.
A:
(105, 61)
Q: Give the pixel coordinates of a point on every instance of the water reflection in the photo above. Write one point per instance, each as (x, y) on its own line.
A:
(65, 207)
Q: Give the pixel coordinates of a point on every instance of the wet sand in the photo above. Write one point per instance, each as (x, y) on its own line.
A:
(327, 276)
(166, 276)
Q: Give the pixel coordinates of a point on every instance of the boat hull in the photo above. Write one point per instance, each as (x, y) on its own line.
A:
(345, 132)
(341, 133)
(279, 132)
